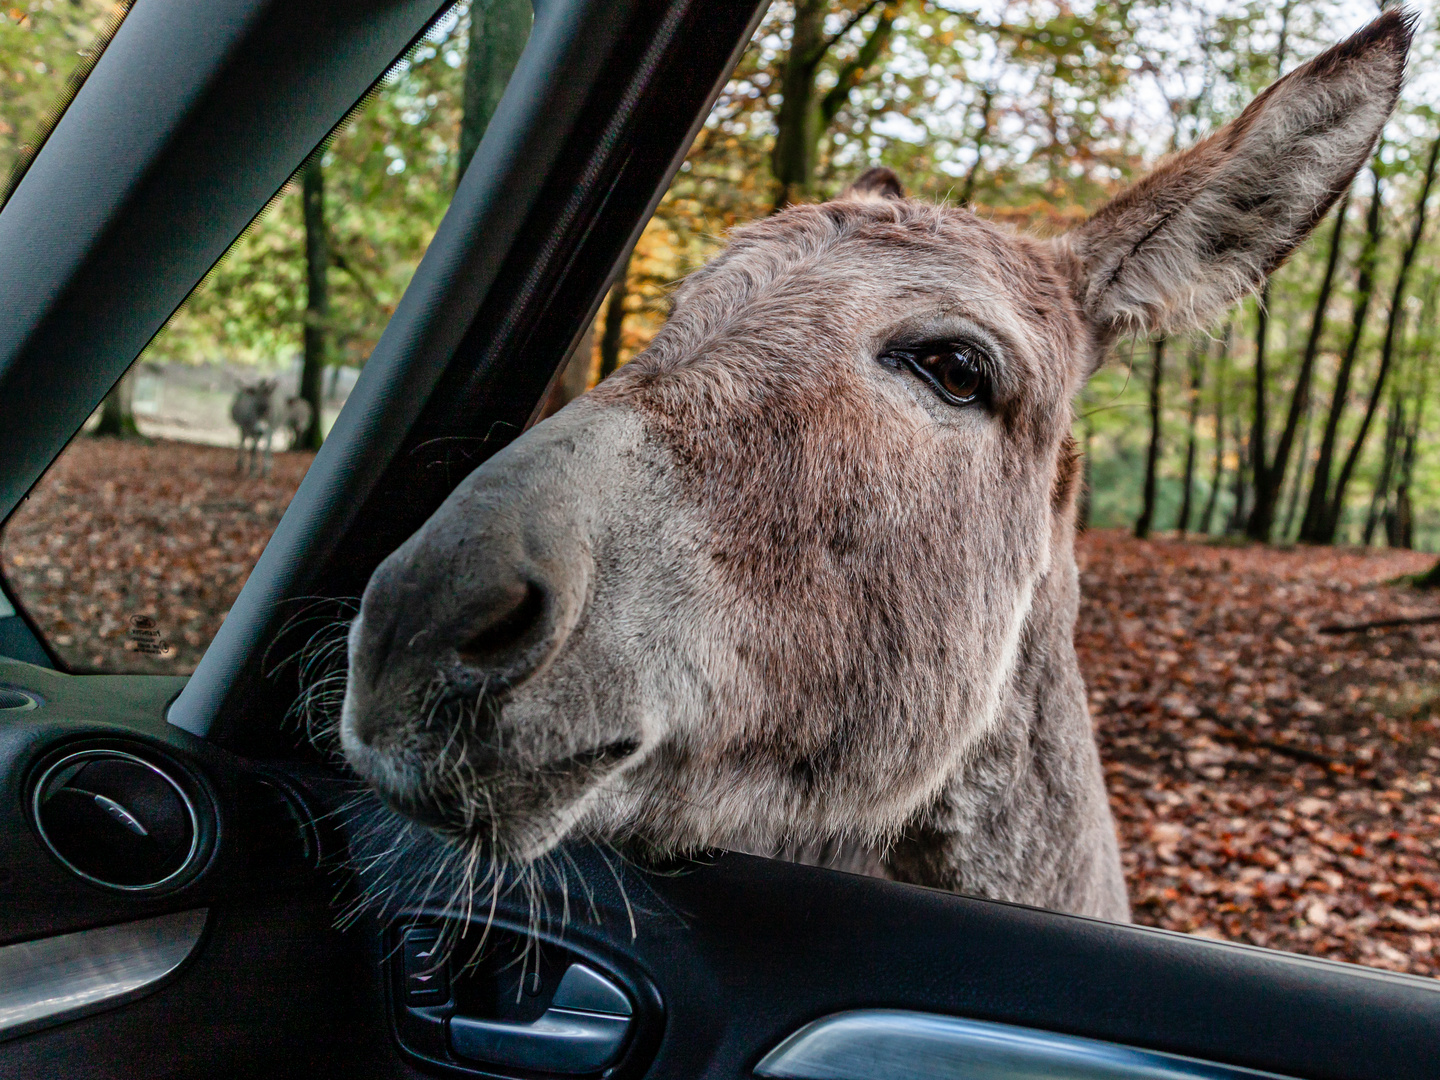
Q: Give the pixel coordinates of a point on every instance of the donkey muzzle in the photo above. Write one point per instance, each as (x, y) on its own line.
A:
(463, 665)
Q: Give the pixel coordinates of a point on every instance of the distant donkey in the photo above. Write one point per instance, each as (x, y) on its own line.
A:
(295, 418)
(252, 411)
(803, 573)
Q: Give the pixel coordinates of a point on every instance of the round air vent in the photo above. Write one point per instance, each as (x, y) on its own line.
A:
(117, 819)
(13, 699)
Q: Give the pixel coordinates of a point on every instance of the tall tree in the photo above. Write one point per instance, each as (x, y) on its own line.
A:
(1258, 421)
(1197, 377)
(1239, 489)
(1218, 471)
(1400, 522)
(1270, 477)
(982, 139)
(1317, 526)
(1152, 454)
(1297, 480)
(1267, 483)
(1401, 526)
(804, 116)
(317, 298)
(1380, 496)
(498, 32)
(117, 412)
(614, 325)
(1387, 347)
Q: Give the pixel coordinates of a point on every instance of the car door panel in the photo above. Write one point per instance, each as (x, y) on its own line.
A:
(745, 952)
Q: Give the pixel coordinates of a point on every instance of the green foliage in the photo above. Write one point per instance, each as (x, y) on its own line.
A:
(46, 49)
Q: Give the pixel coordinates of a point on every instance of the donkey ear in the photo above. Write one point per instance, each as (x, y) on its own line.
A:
(877, 182)
(1179, 247)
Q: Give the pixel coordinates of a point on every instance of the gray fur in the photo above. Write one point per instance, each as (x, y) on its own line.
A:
(760, 590)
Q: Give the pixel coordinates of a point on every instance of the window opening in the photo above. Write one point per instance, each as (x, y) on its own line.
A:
(130, 550)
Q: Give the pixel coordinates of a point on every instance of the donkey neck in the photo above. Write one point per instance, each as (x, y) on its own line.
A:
(1026, 817)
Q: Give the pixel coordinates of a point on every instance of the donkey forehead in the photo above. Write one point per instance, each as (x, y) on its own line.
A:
(856, 272)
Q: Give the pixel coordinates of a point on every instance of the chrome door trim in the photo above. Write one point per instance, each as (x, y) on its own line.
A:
(53, 979)
(892, 1044)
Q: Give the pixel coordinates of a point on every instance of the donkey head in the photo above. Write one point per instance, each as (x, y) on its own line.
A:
(770, 580)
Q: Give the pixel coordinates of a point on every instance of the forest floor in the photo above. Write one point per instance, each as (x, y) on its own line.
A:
(1272, 783)
(120, 529)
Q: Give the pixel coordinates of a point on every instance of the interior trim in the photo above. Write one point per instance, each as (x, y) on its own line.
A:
(893, 1044)
(59, 978)
(37, 802)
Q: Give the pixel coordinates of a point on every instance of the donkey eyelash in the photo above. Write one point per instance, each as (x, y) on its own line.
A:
(958, 372)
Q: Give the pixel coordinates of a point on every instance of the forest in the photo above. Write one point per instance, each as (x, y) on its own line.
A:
(1305, 416)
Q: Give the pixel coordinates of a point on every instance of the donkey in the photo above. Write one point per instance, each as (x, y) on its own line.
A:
(802, 574)
(295, 418)
(251, 411)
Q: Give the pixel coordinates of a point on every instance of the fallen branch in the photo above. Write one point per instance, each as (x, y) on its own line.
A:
(1299, 753)
(1379, 624)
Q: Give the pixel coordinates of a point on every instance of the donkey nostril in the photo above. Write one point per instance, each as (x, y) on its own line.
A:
(506, 630)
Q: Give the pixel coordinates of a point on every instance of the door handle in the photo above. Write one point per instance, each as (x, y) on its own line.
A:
(582, 1031)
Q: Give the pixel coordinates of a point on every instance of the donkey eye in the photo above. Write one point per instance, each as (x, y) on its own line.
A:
(957, 373)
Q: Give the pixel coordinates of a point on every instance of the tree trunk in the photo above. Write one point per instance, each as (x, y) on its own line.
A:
(1268, 487)
(498, 32)
(1404, 527)
(792, 159)
(1218, 473)
(117, 412)
(1380, 497)
(1297, 479)
(1317, 526)
(317, 300)
(614, 324)
(1152, 456)
(1387, 349)
(1240, 489)
(982, 138)
(801, 119)
(1197, 376)
(1257, 526)
(1401, 528)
